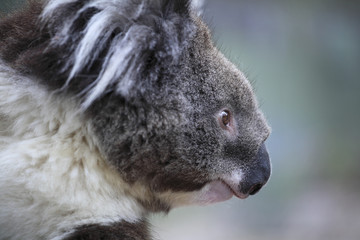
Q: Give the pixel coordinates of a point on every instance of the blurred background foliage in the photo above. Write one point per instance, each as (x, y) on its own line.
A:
(303, 58)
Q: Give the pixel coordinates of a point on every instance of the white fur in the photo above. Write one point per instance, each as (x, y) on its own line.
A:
(52, 175)
(222, 188)
(211, 193)
(198, 6)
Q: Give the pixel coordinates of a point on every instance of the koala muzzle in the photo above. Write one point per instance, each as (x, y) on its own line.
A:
(258, 174)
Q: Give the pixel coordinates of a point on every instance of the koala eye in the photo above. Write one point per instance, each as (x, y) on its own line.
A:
(225, 118)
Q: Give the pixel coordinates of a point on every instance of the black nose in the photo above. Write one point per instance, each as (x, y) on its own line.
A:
(258, 174)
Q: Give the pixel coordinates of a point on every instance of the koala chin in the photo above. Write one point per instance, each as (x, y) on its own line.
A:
(112, 110)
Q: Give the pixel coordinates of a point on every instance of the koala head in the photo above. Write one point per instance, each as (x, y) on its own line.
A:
(190, 129)
(178, 122)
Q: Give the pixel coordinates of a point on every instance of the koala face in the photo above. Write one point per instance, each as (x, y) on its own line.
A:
(196, 135)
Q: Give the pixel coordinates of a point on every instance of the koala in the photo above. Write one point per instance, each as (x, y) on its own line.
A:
(114, 110)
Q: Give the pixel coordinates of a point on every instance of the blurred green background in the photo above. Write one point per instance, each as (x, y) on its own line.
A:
(303, 58)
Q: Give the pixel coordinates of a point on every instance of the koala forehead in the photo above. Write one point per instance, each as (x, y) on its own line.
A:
(207, 75)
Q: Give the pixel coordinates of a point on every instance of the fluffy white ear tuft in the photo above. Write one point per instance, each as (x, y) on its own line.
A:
(198, 6)
(116, 45)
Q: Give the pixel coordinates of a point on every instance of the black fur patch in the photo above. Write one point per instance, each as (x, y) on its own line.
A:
(19, 33)
(115, 231)
(178, 6)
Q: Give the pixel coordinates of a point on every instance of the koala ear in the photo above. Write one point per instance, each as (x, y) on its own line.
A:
(96, 46)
